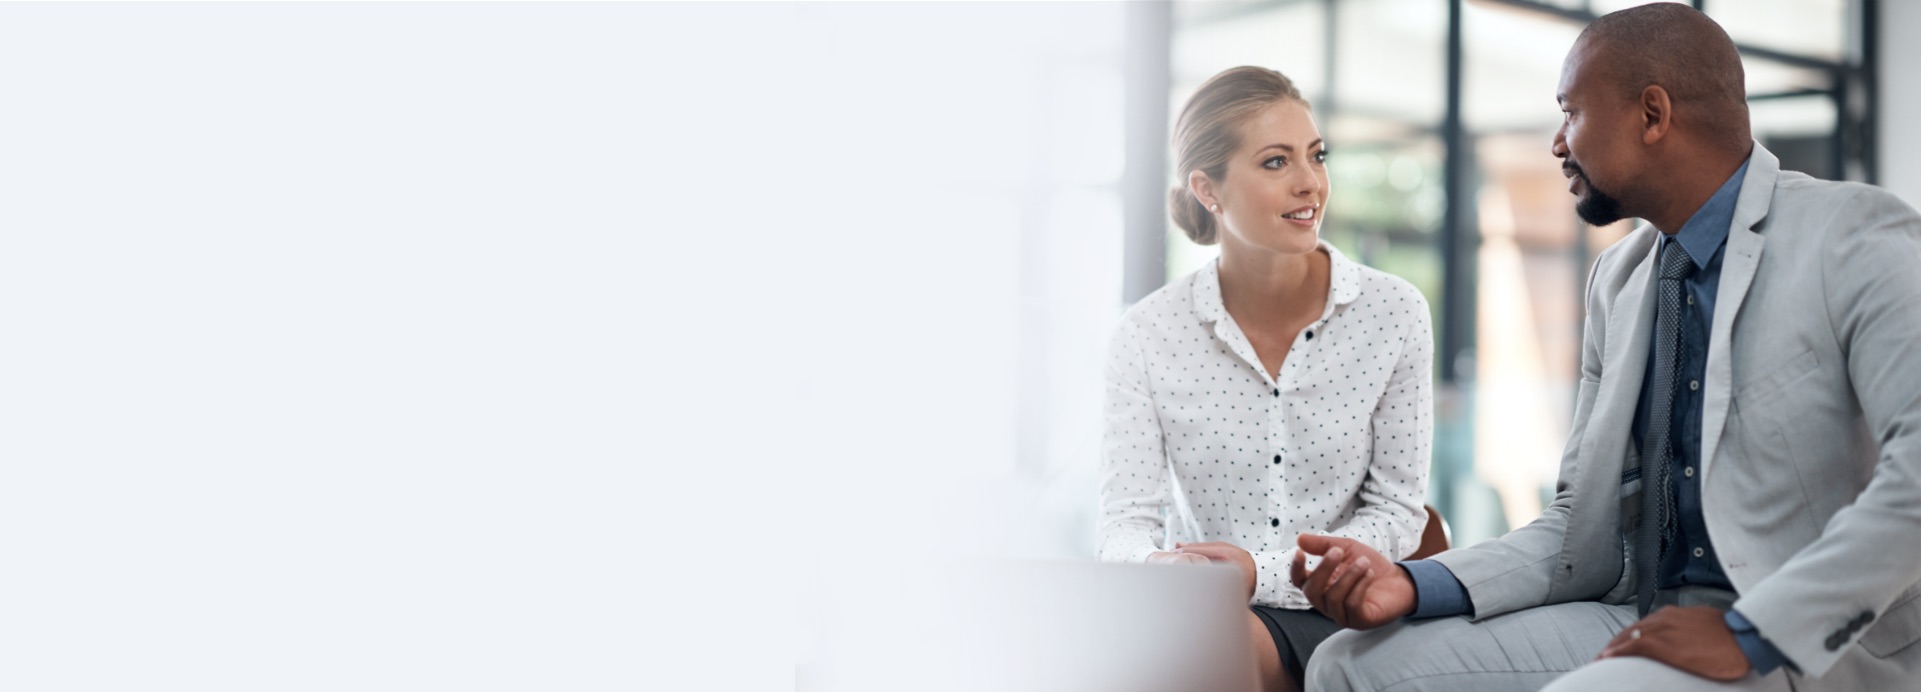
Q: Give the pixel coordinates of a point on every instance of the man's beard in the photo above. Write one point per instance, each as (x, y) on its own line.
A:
(1596, 207)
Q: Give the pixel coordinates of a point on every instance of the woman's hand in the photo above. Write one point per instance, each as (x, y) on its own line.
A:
(1225, 553)
(1170, 557)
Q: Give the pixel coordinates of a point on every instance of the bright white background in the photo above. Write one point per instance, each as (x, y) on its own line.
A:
(448, 346)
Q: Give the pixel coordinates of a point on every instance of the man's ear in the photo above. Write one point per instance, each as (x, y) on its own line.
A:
(1657, 113)
(1203, 188)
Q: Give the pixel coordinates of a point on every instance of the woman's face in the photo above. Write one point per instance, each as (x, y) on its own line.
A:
(1275, 188)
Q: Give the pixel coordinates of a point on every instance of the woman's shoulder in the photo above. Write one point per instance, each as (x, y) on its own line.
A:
(1387, 288)
(1172, 303)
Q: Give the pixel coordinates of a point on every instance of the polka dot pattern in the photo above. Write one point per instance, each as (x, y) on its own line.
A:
(1200, 444)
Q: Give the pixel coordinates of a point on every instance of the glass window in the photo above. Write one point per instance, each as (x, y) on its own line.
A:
(1809, 28)
(1799, 130)
(1513, 62)
(1390, 60)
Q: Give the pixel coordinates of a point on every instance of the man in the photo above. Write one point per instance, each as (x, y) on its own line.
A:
(1740, 497)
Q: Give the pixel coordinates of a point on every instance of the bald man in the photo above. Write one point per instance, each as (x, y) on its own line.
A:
(1739, 506)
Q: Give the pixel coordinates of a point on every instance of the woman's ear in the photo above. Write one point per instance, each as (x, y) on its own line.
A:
(1203, 189)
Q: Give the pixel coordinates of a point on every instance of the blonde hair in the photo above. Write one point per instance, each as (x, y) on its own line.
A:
(1209, 131)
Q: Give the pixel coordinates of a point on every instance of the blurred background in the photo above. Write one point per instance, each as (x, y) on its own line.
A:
(587, 345)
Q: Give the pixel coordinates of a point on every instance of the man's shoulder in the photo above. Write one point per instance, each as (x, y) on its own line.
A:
(1795, 189)
(1809, 215)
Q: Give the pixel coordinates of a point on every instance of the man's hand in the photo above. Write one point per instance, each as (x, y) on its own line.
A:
(1354, 585)
(1169, 557)
(1225, 553)
(1695, 639)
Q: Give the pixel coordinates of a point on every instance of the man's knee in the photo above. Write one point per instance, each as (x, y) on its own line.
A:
(1635, 673)
(1331, 669)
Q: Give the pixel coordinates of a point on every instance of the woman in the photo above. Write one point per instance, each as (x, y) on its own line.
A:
(1281, 389)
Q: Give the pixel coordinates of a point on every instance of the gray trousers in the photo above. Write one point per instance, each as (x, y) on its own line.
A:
(1546, 648)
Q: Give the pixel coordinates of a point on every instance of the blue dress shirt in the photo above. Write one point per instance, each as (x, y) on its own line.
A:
(1691, 559)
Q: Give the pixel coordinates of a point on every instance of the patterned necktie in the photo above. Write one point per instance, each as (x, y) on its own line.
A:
(1657, 459)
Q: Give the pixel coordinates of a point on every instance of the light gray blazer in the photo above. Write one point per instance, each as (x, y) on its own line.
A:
(1811, 432)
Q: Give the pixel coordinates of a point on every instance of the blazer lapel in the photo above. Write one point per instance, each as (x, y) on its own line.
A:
(1738, 264)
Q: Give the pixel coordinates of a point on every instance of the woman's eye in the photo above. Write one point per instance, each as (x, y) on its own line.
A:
(1320, 156)
(1274, 163)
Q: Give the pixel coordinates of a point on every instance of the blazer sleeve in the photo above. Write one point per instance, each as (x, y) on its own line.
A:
(1864, 558)
(1515, 571)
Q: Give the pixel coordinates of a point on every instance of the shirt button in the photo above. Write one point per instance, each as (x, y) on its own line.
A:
(1694, 385)
(1689, 472)
(1690, 299)
(1699, 552)
(1274, 522)
(1277, 458)
(1310, 335)
(1277, 392)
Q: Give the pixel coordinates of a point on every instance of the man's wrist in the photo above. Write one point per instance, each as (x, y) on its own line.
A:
(1762, 655)
(1437, 593)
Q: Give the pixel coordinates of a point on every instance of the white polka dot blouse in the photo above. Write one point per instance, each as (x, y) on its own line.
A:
(1201, 445)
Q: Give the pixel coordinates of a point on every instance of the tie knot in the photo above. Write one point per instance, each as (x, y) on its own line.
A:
(1675, 262)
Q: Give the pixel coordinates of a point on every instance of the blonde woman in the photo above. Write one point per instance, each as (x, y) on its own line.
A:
(1281, 389)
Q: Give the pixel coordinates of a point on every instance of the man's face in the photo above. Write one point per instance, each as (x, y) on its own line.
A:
(1598, 140)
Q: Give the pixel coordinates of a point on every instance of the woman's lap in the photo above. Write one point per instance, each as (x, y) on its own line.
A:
(1296, 634)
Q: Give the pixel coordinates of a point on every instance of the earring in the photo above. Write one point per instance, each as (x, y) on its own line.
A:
(1216, 208)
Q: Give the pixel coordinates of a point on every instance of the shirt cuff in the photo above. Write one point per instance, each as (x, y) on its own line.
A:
(1762, 655)
(1271, 585)
(1436, 592)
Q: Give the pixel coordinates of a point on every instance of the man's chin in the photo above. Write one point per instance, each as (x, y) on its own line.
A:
(1597, 210)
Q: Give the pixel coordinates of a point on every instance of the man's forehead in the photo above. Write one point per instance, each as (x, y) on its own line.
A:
(1583, 62)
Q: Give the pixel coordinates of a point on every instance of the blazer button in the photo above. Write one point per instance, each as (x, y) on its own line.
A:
(1865, 617)
(1836, 640)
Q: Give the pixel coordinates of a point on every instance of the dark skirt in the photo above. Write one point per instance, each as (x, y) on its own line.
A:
(1296, 633)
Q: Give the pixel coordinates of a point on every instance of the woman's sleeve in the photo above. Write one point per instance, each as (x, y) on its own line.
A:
(1391, 516)
(1134, 484)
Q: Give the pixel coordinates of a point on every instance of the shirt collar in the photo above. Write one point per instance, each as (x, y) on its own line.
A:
(1704, 233)
(1344, 285)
